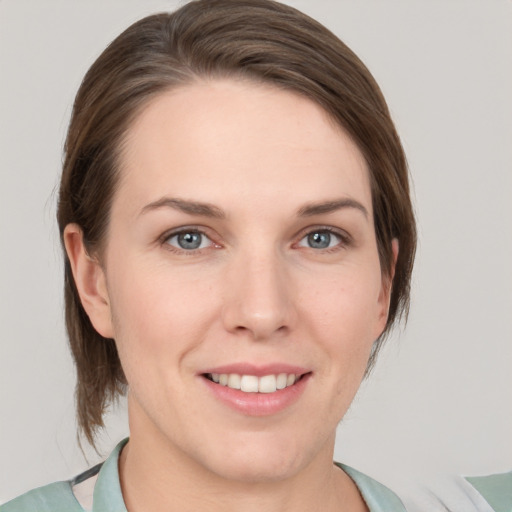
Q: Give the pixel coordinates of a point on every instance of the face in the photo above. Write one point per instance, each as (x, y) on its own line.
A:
(242, 279)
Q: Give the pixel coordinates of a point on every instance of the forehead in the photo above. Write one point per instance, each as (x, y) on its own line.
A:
(233, 139)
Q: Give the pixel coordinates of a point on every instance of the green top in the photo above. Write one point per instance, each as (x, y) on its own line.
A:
(107, 497)
(496, 489)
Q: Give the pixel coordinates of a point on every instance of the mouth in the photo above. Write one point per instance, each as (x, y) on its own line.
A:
(255, 384)
(257, 390)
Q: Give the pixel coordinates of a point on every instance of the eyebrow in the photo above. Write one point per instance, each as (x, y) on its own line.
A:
(331, 206)
(212, 211)
(190, 207)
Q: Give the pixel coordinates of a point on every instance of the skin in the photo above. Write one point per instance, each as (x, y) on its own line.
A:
(256, 291)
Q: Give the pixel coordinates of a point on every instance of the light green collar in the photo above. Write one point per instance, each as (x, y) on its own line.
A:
(107, 491)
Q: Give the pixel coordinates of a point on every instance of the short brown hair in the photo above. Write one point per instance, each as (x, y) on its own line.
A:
(259, 40)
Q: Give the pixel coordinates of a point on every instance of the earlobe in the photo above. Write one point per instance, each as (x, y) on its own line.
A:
(90, 281)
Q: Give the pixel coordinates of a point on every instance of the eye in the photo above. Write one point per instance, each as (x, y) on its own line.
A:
(321, 239)
(190, 240)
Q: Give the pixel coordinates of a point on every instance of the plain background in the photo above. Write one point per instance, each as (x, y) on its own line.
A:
(440, 400)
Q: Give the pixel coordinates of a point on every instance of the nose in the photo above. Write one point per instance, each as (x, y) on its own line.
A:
(259, 299)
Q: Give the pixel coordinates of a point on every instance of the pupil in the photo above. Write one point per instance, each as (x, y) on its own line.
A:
(319, 240)
(189, 240)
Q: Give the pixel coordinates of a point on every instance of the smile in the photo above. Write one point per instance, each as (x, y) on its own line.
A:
(254, 384)
(254, 390)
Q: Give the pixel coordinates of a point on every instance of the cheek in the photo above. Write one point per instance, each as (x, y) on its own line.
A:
(344, 304)
(157, 315)
(342, 314)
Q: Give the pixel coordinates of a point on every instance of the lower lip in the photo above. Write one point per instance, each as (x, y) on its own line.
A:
(258, 404)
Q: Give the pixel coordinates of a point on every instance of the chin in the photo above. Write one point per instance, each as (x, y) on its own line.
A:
(258, 460)
(257, 470)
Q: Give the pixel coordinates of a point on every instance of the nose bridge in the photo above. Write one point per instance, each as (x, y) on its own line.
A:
(259, 300)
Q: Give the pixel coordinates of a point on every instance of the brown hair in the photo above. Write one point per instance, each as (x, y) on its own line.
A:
(259, 40)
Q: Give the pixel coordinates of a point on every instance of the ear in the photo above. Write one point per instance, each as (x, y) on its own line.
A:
(387, 285)
(90, 281)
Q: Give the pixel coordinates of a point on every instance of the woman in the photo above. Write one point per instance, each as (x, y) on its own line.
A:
(239, 239)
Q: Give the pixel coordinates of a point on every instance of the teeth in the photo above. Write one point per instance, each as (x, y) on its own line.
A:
(267, 384)
(249, 384)
(253, 384)
(281, 381)
(234, 381)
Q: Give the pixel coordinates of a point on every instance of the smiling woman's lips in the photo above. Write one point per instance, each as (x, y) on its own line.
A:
(257, 391)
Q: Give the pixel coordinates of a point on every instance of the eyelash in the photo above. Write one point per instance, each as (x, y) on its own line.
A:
(344, 240)
(165, 241)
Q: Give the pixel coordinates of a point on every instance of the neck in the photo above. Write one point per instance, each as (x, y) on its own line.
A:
(156, 475)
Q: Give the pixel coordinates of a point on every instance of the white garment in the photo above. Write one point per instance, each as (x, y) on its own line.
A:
(449, 494)
(84, 492)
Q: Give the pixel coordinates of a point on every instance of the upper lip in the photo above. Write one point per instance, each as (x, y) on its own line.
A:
(257, 370)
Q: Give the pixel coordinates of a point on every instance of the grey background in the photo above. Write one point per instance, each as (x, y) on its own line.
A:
(440, 400)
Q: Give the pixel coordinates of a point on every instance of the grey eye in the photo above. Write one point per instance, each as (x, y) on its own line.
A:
(189, 240)
(321, 239)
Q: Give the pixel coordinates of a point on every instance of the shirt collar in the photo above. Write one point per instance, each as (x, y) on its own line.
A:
(107, 491)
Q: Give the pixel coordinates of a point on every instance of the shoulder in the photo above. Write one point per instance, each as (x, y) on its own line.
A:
(96, 489)
(378, 497)
(443, 492)
(495, 489)
(54, 497)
